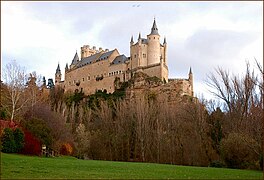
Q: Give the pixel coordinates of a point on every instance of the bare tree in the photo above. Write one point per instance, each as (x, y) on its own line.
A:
(242, 97)
(15, 79)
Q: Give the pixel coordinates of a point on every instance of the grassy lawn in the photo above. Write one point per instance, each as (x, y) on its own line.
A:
(19, 166)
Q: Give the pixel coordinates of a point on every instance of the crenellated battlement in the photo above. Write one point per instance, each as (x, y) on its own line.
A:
(86, 51)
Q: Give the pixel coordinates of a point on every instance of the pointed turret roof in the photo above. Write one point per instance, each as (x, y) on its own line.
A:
(164, 42)
(75, 59)
(132, 39)
(139, 36)
(66, 67)
(154, 29)
(190, 71)
(58, 71)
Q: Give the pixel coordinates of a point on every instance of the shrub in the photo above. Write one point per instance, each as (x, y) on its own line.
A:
(39, 129)
(19, 139)
(32, 144)
(3, 114)
(237, 153)
(12, 140)
(8, 141)
(66, 149)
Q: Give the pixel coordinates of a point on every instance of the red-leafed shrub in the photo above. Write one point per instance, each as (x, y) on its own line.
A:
(66, 149)
(32, 144)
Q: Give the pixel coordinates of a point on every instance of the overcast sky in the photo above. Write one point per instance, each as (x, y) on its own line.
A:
(202, 35)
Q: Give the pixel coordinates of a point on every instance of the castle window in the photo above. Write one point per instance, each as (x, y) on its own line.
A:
(116, 72)
(83, 79)
(109, 74)
(135, 56)
(144, 55)
(119, 72)
(154, 37)
(88, 77)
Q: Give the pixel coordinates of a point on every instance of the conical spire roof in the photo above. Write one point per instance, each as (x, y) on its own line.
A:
(139, 36)
(66, 67)
(190, 71)
(154, 29)
(75, 59)
(132, 39)
(164, 42)
(58, 71)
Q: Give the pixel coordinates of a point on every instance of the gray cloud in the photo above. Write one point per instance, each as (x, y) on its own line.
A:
(207, 49)
(203, 50)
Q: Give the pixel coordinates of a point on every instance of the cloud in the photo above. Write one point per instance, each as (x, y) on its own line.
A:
(205, 50)
(217, 44)
(199, 34)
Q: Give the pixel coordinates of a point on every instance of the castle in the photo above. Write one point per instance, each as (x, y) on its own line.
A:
(98, 69)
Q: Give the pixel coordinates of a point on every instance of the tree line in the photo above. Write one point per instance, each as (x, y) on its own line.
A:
(221, 133)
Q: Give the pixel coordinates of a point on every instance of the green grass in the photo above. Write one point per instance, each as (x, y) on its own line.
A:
(19, 166)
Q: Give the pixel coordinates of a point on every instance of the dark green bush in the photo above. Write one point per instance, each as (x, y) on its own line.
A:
(8, 141)
(12, 141)
(3, 114)
(39, 129)
(19, 139)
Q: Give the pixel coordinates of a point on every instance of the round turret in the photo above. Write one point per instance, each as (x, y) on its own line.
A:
(154, 45)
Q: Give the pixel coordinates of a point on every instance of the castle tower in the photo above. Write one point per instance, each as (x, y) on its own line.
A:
(153, 45)
(191, 80)
(149, 56)
(165, 51)
(58, 75)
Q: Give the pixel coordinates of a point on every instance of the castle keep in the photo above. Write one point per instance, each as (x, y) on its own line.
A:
(97, 69)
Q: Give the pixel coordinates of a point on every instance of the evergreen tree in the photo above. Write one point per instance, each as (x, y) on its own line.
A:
(19, 139)
(8, 141)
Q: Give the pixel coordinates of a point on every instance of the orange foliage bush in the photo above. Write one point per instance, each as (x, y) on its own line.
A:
(66, 149)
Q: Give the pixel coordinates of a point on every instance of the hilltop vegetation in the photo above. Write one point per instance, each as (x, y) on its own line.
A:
(146, 125)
